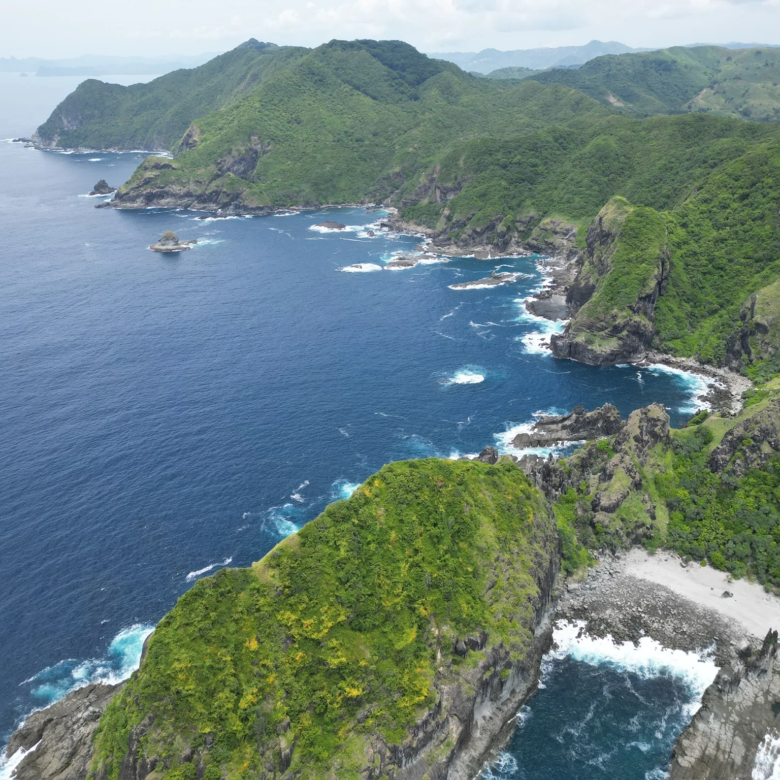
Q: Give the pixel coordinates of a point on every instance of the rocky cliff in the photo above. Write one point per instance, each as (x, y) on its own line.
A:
(58, 740)
(394, 636)
(738, 711)
(623, 273)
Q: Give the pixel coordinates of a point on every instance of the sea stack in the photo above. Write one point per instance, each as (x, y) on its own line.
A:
(102, 188)
(169, 242)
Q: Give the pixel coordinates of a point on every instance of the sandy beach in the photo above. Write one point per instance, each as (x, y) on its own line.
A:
(750, 606)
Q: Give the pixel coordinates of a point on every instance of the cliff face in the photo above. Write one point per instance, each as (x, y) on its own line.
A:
(738, 710)
(58, 740)
(625, 269)
(392, 636)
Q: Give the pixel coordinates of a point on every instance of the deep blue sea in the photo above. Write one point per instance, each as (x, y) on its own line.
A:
(166, 415)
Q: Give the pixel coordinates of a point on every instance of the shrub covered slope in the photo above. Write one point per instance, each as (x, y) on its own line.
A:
(326, 653)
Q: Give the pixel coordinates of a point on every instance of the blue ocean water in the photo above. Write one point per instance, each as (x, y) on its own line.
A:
(163, 416)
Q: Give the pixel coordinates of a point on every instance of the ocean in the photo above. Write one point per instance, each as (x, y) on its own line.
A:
(167, 415)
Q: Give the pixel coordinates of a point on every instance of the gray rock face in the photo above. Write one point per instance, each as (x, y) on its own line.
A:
(494, 280)
(738, 710)
(331, 225)
(578, 425)
(750, 444)
(488, 455)
(102, 188)
(169, 242)
(63, 734)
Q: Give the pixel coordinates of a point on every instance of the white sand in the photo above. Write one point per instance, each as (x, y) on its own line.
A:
(751, 607)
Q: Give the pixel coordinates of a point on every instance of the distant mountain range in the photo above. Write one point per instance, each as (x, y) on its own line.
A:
(96, 65)
(489, 60)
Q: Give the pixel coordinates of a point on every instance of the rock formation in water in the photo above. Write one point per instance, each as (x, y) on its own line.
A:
(102, 188)
(577, 425)
(738, 711)
(328, 225)
(169, 242)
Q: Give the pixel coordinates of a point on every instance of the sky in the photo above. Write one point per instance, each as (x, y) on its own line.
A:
(53, 29)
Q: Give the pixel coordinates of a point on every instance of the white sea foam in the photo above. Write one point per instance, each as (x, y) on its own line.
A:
(505, 439)
(468, 375)
(279, 519)
(9, 764)
(95, 159)
(767, 764)
(647, 659)
(343, 489)
(296, 494)
(121, 660)
(505, 766)
(193, 575)
(696, 385)
(361, 268)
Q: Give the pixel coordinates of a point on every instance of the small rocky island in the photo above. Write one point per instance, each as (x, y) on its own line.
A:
(169, 242)
(577, 425)
(102, 188)
(327, 225)
(494, 280)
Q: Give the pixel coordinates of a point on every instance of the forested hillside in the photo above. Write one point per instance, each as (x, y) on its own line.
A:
(710, 79)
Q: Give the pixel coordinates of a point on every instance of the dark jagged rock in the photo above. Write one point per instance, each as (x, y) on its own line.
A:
(102, 188)
(63, 734)
(403, 262)
(601, 333)
(578, 425)
(488, 455)
(169, 242)
(738, 710)
(331, 225)
(750, 444)
(612, 474)
(494, 280)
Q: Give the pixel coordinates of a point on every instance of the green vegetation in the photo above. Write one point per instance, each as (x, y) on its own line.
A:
(332, 639)
(511, 72)
(704, 79)
(491, 161)
(710, 492)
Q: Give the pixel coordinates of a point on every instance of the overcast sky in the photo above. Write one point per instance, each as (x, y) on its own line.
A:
(51, 28)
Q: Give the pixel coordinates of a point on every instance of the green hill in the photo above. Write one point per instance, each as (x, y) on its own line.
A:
(356, 646)
(707, 79)
(156, 114)
(511, 72)
(499, 162)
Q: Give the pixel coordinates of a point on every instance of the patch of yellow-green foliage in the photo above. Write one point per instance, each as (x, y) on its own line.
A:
(344, 618)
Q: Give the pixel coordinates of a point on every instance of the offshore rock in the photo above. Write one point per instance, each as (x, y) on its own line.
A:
(62, 734)
(578, 425)
(169, 242)
(738, 711)
(102, 188)
(331, 225)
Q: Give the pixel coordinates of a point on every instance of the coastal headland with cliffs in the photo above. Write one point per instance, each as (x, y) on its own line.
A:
(400, 632)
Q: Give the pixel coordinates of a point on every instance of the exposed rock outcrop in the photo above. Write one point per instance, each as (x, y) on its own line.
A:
(102, 188)
(612, 474)
(757, 335)
(62, 734)
(738, 710)
(331, 225)
(169, 242)
(614, 323)
(494, 280)
(578, 425)
(750, 444)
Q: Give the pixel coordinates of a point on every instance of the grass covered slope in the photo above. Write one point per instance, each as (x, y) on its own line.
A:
(332, 653)
(705, 79)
